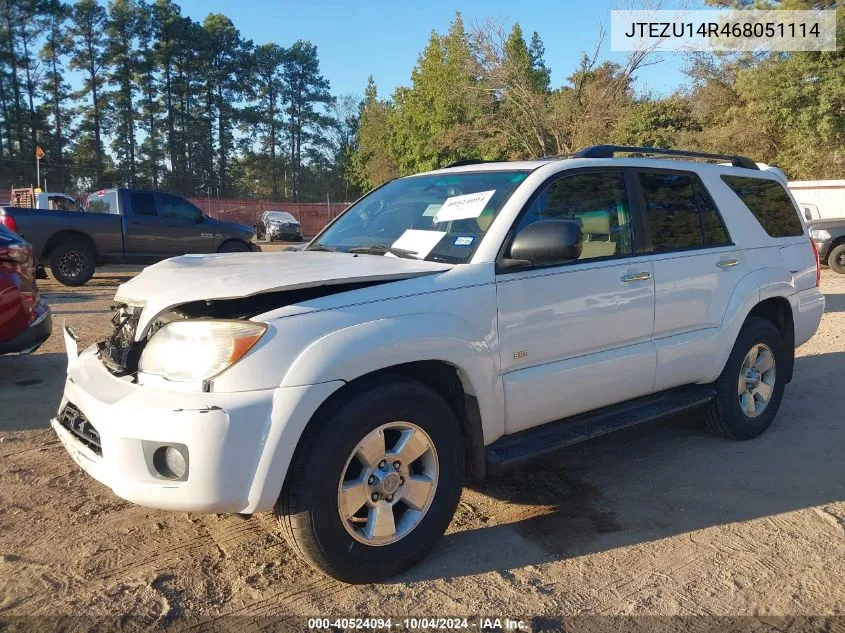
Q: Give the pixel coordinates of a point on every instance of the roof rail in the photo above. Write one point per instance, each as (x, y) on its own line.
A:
(607, 151)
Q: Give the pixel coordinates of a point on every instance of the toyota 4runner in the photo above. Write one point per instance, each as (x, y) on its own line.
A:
(447, 325)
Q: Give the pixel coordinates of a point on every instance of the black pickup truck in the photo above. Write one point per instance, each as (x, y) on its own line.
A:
(122, 226)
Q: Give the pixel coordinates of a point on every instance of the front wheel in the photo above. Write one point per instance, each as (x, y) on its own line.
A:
(375, 482)
(233, 246)
(836, 259)
(750, 388)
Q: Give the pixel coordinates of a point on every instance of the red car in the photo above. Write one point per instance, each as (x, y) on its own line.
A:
(25, 321)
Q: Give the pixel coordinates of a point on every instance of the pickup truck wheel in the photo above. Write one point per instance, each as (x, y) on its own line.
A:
(750, 388)
(836, 259)
(375, 482)
(233, 246)
(72, 262)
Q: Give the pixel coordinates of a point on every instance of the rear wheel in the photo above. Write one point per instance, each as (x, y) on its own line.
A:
(375, 483)
(836, 259)
(750, 388)
(72, 262)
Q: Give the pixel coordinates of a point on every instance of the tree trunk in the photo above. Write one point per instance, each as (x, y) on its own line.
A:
(13, 62)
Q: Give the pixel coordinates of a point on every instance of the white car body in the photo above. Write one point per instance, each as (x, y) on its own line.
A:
(503, 332)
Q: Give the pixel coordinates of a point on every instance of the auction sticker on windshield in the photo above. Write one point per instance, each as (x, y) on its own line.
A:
(464, 207)
(418, 242)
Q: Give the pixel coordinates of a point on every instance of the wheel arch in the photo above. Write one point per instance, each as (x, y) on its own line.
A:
(60, 236)
(446, 380)
(229, 240)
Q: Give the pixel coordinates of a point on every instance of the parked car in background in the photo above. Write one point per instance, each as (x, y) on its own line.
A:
(829, 237)
(123, 226)
(446, 325)
(25, 321)
(34, 198)
(278, 225)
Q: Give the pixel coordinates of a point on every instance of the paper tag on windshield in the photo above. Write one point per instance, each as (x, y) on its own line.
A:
(464, 207)
(418, 242)
(431, 209)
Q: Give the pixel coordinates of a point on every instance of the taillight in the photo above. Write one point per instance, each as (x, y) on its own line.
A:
(9, 222)
(818, 264)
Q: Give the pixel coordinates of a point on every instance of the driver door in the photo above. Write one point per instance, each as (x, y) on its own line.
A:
(578, 336)
(183, 226)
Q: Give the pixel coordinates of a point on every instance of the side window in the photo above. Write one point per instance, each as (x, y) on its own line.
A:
(597, 201)
(672, 211)
(176, 208)
(769, 203)
(712, 224)
(143, 203)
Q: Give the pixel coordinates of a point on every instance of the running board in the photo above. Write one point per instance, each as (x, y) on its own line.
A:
(511, 450)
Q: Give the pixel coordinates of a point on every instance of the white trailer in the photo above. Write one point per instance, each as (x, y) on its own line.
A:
(820, 199)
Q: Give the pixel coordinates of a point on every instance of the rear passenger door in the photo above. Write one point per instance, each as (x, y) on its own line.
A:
(696, 269)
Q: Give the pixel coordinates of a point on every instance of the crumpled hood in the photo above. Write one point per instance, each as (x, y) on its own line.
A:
(231, 275)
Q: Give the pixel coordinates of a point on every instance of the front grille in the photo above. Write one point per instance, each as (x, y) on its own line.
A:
(74, 421)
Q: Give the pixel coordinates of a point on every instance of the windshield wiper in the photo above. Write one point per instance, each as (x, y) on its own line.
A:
(320, 247)
(377, 249)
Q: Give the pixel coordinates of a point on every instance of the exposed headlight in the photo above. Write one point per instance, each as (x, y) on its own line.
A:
(819, 235)
(188, 351)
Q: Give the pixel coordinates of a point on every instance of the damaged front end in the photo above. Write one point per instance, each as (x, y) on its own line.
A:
(121, 352)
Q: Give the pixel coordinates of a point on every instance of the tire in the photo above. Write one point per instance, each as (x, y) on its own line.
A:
(233, 246)
(728, 415)
(836, 259)
(72, 262)
(309, 507)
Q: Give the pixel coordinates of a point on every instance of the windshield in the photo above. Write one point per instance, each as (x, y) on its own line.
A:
(438, 217)
(280, 216)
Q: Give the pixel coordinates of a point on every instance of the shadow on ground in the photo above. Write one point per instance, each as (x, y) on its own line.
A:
(661, 480)
(30, 389)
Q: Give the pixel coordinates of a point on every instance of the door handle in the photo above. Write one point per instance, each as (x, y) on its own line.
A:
(645, 276)
(727, 263)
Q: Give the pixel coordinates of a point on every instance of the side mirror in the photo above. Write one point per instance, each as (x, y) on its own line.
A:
(546, 242)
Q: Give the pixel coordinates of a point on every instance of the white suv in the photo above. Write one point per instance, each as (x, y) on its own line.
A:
(447, 325)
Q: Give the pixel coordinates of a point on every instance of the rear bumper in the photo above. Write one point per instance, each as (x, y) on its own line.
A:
(807, 310)
(32, 337)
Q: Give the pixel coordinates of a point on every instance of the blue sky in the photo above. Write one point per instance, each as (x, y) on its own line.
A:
(383, 38)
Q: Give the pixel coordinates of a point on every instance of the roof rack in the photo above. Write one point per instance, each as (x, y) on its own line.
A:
(608, 151)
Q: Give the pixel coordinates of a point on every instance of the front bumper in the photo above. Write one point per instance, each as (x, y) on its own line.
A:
(255, 248)
(32, 337)
(238, 444)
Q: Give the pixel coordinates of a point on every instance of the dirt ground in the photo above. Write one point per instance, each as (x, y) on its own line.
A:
(658, 520)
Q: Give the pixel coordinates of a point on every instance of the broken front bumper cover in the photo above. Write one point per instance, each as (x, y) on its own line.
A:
(222, 433)
(238, 445)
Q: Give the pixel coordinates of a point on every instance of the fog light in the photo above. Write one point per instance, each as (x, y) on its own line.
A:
(170, 462)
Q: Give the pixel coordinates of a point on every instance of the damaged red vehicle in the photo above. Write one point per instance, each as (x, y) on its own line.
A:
(25, 321)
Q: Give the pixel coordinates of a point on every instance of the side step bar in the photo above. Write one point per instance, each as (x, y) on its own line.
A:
(511, 450)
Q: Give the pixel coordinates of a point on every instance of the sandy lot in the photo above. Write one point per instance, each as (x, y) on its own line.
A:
(659, 520)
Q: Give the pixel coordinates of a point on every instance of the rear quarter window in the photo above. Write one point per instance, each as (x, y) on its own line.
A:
(769, 203)
(105, 202)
